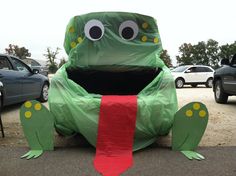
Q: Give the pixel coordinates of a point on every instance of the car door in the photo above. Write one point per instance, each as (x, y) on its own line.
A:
(202, 74)
(190, 75)
(229, 78)
(11, 82)
(209, 72)
(31, 84)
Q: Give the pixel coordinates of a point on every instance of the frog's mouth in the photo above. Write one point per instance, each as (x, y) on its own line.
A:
(113, 80)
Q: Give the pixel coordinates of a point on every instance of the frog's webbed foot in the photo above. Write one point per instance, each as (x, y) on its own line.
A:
(32, 154)
(38, 124)
(188, 128)
(193, 155)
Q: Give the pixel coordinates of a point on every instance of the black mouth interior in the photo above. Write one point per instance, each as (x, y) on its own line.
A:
(113, 81)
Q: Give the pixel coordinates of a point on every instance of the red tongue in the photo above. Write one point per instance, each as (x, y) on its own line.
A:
(115, 134)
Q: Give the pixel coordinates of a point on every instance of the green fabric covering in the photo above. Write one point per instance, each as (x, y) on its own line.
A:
(77, 111)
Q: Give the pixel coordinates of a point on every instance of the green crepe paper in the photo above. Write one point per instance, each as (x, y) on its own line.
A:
(189, 126)
(77, 111)
(111, 49)
(37, 123)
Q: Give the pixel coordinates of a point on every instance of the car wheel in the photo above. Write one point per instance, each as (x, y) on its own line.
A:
(179, 83)
(194, 85)
(220, 96)
(209, 83)
(44, 93)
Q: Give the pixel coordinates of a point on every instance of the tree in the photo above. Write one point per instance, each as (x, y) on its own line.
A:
(51, 57)
(186, 54)
(203, 53)
(213, 53)
(166, 58)
(20, 52)
(227, 51)
(62, 62)
(199, 55)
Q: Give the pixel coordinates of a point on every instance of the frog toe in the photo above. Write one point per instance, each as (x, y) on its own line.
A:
(32, 154)
(25, 155)
(192, 155)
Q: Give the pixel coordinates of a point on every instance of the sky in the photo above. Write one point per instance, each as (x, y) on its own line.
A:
(39, 24)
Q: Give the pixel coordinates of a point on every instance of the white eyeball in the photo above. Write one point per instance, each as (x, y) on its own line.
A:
(128, 30)
(94, 30)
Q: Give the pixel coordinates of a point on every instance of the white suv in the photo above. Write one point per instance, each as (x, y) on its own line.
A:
(193, 75)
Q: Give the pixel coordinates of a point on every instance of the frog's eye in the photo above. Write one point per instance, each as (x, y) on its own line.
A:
(94, 30)
(128, 30)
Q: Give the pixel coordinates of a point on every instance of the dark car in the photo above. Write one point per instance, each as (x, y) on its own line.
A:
(224, 83)
(20, 82)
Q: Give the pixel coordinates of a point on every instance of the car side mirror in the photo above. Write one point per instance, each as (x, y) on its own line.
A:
(188, 71)
(224, 62)
(35, 71)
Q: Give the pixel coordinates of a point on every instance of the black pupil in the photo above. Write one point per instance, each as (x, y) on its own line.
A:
(95, 32)
(127, 33)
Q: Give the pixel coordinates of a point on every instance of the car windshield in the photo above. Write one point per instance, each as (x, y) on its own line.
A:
(180, 69)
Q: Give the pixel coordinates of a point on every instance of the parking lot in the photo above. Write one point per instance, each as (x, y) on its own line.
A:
(221, 129)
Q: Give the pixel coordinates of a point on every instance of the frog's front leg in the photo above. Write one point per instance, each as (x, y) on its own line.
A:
(38, 124)
(188, 128)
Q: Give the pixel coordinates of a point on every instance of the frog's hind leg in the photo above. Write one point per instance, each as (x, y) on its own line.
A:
(188, 128)
(37, 123)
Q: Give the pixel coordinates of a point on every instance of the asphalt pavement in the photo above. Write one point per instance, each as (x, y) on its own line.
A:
(152, 161)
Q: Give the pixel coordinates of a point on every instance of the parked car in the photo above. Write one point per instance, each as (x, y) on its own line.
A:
(1, 125)
(20, 82)
(193, 75)
(37, 64)
(224, 83)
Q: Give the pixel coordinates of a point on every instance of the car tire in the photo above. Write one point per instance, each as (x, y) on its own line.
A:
(44, 93)
(194, 85)
(220, 95)
(179, 82)
(209, 83)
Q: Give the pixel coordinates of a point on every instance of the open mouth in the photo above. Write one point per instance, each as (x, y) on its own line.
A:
(113, 80)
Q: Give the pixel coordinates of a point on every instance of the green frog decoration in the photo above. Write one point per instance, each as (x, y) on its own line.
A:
(113, 53)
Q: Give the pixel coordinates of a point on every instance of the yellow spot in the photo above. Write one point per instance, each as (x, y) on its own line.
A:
(189, 113)
(145, 25)
(202, 113)
(72, 30)
(37, 106)
(73, 44)
(144, 38)
(79, 39)
(28, 114)
(196, 106)
(28, 104)
(155, 40)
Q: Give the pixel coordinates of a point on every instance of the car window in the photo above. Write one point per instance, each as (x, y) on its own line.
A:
(203, 69)
(233, 61)
(200, 69)
(19, 65)
(4, 63)
(179, 69)
(35, 63)
(207, 69)
(192, 70)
